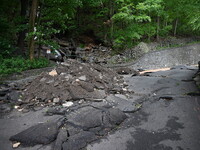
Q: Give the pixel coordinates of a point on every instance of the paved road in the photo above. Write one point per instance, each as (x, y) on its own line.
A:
(169, 118)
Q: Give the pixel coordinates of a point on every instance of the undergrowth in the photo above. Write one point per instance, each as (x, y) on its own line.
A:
(19, 64)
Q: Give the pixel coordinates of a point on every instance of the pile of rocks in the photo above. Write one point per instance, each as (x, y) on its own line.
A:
(72, 81)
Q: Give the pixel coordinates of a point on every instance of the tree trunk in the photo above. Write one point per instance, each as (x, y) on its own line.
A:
(22, 34)
(158, 28)
(175, 27)
(38, 24)
(32, 19)
(112, 23)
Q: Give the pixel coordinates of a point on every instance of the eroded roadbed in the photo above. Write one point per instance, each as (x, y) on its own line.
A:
(169, 118)
(151, 111)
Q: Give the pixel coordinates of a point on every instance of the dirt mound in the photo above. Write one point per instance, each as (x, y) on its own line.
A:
(72, 81)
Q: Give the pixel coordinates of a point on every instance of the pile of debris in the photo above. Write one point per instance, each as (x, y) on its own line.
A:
(76, 93)
(72, 81)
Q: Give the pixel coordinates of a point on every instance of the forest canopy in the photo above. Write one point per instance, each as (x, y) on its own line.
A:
(116, 23)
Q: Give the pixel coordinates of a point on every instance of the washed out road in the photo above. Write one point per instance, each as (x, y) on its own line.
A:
(169, 118)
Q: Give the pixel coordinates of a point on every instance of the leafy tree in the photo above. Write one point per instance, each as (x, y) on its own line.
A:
(133, 21)
(51, 20)
(8, 26)
(193, 16)
(119, 23)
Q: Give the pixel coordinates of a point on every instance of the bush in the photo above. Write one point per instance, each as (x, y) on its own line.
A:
(19, 64)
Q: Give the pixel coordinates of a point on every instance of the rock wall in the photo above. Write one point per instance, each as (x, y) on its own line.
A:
(186, 55)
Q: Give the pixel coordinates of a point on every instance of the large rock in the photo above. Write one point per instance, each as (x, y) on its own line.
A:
(143, 47)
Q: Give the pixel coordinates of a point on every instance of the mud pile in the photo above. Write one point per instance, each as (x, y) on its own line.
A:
(72, 81)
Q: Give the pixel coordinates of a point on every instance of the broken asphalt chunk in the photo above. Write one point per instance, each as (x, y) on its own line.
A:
(42, 133)
(79, 141)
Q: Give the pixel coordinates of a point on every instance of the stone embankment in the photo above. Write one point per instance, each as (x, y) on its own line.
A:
(185, 55)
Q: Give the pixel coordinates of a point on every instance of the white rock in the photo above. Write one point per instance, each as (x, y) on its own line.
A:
(121, 96)
(67, 104)
(82, 78)
(77, 80)
(56, 100)
(15, 145)
(16, 107)
(19, 100)
(124, 89)
(63, 73)
(101, 76)
(81, 101)
(65, 64)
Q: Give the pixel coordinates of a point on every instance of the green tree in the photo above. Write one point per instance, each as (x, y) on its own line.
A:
(8, 26)
(50, 20)
(134, 21)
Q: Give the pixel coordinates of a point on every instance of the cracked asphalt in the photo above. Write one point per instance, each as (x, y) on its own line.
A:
(169, 118)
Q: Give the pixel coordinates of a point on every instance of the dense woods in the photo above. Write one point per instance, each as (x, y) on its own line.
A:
(115, 23)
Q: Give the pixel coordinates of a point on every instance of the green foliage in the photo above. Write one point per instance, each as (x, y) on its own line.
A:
(19, 64)
(6, 47)
(134, 21)
(53, 20)
(119, 23)
(193, 16)
(5, 36)
(124, 38)
(164, 31)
